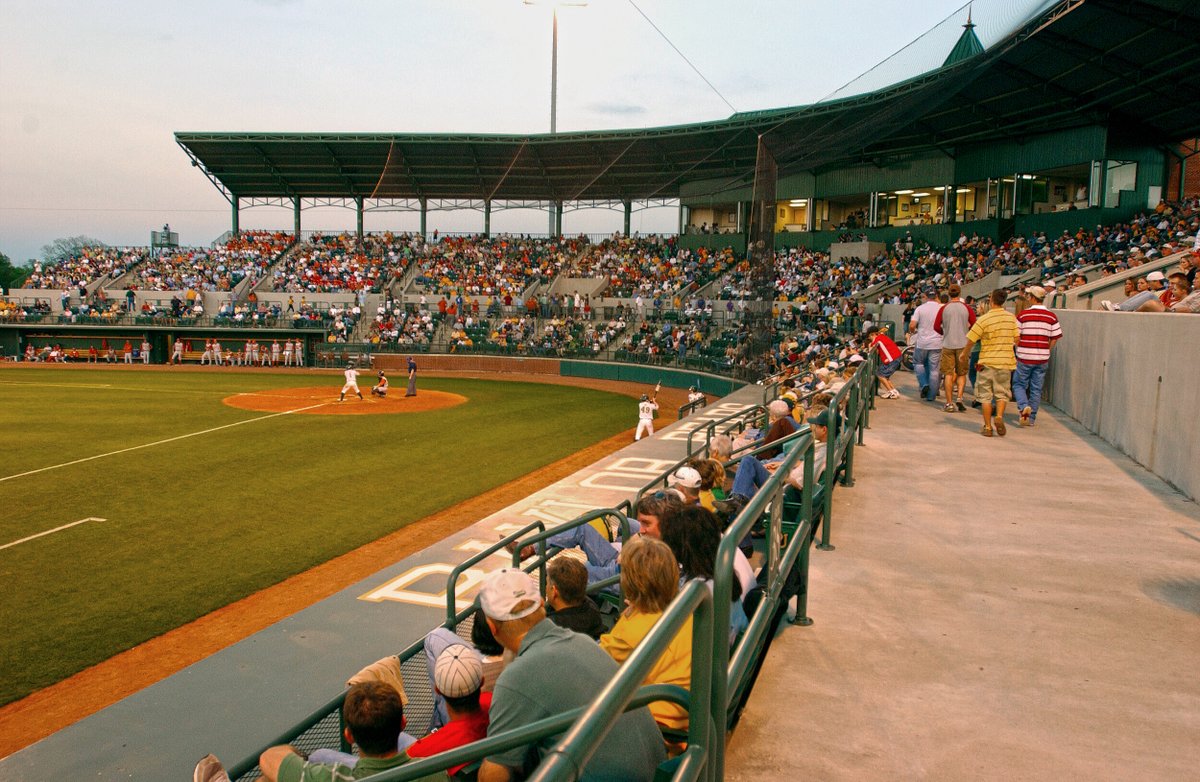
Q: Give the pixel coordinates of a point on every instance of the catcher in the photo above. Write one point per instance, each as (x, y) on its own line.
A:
(380, 389)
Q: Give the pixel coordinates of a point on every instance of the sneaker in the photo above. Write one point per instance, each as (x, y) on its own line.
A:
(209, 769)
(895, 393)
(526, 551)
(924, 392)
(986, 431)
(1108, 305)
(949, 408)
(1026, 411)
(961, 407)
(1001, 429)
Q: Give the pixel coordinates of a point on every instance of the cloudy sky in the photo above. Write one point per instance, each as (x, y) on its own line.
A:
(90, 93)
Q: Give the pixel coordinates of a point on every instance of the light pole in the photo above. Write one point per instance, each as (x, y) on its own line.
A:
(554, 78)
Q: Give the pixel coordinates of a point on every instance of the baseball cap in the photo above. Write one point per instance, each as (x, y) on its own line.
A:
(821, 419)
(855, 359)
(1036, 291)
(458, 671)
(686, 477)
(1156, 277)
(503, 589)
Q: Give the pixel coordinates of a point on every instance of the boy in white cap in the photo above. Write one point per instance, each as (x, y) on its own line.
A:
(458, 677)
(555, 670)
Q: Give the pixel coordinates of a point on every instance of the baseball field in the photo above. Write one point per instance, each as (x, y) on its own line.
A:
(132, 502)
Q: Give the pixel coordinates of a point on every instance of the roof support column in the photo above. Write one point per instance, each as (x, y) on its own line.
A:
(558, 210)
(487, 219)
(873, 209)
(236, 225)
(682, 218)
(424, 214)
(628, 215)
(949, 203)
(296, 216)
(358, 213)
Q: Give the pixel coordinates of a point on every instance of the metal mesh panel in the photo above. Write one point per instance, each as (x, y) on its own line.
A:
(325, 734)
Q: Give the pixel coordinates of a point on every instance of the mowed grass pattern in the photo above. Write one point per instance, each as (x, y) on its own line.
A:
(196, 524)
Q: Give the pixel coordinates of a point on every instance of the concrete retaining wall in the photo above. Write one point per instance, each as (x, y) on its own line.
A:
(1134, 380)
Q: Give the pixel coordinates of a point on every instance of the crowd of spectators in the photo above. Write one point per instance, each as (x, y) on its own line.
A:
(394, 325)
(503, 266)
(339, 263)
(89, 264)
(249, 254)
(650, 266)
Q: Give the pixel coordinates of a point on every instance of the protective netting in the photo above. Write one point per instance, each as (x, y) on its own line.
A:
(994, 21)
(760, 254)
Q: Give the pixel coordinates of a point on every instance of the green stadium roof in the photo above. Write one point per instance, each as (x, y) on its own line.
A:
(968, 45)
(1130, 66)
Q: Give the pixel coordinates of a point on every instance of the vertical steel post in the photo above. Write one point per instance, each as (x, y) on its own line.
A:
(296, 216)
(234, 202)
(628, 215)
(487, 219)
(358, 212)
(424, 215)
(558, 212)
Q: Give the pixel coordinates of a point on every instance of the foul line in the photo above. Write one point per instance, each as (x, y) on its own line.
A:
(51, 531)
(161, 442)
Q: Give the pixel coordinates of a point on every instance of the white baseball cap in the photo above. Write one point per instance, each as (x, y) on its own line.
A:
(504, 589)
(686, 477)
(458, 671)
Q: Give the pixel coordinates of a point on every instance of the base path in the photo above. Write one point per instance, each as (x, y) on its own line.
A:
(323, 400)
(1023, 607)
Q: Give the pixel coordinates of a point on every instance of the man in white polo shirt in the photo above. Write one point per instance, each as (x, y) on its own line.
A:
(927, 346)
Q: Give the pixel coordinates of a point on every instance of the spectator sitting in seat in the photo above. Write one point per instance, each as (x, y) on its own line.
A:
(458, 679)
(694, 534)
(1148, 290)
(491, 653)
(712, 481)
(687, 482)
(566, 598)
(600, 552)
(649, 582)
(374, 718)
(555, 670)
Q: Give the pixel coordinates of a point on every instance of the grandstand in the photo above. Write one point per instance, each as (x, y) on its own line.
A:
(932, 615)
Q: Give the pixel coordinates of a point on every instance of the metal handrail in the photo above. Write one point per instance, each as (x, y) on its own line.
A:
(452, 579)
(520, 737)
(688, 408)
(710, 427)
(570, 755)
(768, 497)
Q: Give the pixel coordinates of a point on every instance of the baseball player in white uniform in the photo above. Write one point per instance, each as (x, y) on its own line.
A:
(145, 352)
(694, 395)
(646, 410)
(287, 353)
(351, 383)
(298, 353)
(275, 353)
(177, 355)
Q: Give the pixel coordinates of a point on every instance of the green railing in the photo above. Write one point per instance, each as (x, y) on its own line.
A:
(737, 420)
(722, 677)
(688, 408)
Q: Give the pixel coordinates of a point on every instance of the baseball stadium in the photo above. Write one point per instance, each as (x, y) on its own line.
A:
(880, 462)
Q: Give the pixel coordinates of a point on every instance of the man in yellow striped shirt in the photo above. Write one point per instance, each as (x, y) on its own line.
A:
(997, 333)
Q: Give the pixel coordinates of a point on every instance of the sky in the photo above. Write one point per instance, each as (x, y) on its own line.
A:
(91, 93)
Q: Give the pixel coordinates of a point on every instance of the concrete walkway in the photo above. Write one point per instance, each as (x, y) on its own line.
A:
(1025, 607)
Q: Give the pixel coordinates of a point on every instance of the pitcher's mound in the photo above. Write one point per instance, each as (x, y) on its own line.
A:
(322, 400)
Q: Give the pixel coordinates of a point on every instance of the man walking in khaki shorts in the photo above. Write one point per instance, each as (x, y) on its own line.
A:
(997, 333)
(953, 321)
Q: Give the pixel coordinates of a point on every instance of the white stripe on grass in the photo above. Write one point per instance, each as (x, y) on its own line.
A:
(161, 442)
(52, 531)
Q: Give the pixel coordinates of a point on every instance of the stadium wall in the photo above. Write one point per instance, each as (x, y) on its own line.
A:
(1132, 379)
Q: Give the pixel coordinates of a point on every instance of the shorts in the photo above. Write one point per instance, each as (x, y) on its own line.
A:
(993, 385)
(888, 369)
(955, 361)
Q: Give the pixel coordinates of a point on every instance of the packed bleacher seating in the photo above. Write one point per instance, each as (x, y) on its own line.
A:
(338, 263)
(88, 265)
(396, 326)
(212, 269)
(502, 265)
(650, 266)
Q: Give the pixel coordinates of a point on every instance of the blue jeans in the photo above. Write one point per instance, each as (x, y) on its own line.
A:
(927, 366)
(1027, 385)
(750, 477)
(601, 554)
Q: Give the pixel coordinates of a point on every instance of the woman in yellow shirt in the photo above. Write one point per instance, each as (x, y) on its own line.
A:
(649, 582)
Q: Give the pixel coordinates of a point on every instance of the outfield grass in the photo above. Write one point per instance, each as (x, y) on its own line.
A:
(199, 523)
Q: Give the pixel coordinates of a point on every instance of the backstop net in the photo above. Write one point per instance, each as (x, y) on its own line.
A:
(760, 253)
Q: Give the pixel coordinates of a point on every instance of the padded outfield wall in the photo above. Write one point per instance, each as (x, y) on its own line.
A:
(1134, 380)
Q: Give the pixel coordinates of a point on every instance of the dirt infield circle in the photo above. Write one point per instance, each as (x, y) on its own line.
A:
(322, 400)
